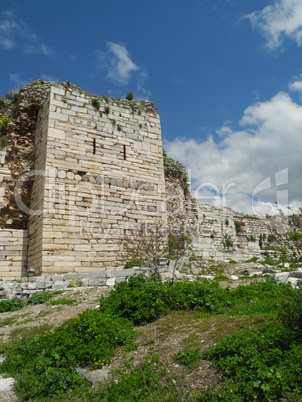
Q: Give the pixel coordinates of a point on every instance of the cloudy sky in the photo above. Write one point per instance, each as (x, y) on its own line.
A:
(225, 75)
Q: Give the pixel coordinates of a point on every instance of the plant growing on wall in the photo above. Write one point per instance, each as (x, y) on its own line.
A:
(174, 168)
(3, 124)
(286, 235)
(227, 242)
(148, 244)
(96, 103)
(238, 227)
(130, 96)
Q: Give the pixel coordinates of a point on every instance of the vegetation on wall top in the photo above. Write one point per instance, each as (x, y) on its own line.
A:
(174, 169)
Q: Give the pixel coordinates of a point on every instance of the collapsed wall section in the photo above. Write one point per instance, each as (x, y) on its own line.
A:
(212, 230)
(103, 176)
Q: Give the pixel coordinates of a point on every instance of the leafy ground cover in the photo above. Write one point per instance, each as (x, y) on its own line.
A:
(192, 341)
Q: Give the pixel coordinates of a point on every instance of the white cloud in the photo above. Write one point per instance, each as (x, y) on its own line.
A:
(15, 78)
(14, 31)
(8, 30)
(117, 62)
(121, 69)
(47, 77)
(269, 144)
(296, 86)
(145, 93)
(38, 47)
(280, 20)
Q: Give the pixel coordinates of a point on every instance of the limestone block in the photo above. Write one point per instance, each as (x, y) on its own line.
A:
(97, 282)
(62, 174)
(70, 175)
(122, 273)
(282, 277)
(32, 286)
(74, 276)
(58, 91)
(58, 285)
(59, 278)
(294, 282)
(56, 133)
(110, 282)
(41, 284)
(84, 281)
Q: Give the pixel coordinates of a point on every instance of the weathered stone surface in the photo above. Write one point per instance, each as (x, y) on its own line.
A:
(6, 383)
(58, 285)
(95, 376)
(32, 286)
(110, 282)
(97, 282)
(282, 276)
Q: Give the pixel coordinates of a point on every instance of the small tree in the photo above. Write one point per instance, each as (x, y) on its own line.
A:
(149, 243)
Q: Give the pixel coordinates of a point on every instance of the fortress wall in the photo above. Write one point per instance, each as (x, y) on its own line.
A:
(104, 176)
(35, 212)
(209, 226)
(13, 253)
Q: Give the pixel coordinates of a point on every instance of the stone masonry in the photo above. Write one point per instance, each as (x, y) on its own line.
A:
(96, 179)
(80, 171)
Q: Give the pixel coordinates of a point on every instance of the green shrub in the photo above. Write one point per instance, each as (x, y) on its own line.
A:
(130, 96)
(238, 227)
(290, 312)
(203, 296)
(227, 242)
(144, 300)
(44, 366)
(140, 300)
(263, 298)
(189, 357)
(132, 263)
(39, 298)
(4, 122)
(96, 103)
(260, 361)
(11, 305)
(145, 383)
(4, 140)
(107, 110)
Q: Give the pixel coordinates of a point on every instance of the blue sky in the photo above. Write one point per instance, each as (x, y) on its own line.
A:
(225, 75)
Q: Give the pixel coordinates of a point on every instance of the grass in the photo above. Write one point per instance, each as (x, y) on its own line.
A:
(62, 302)
(7, 321)
(256, 350)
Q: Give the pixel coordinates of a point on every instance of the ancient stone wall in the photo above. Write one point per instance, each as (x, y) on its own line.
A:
(79, 171)
(19, 154)
(103, 176)
(13, 253)
(209, 226)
